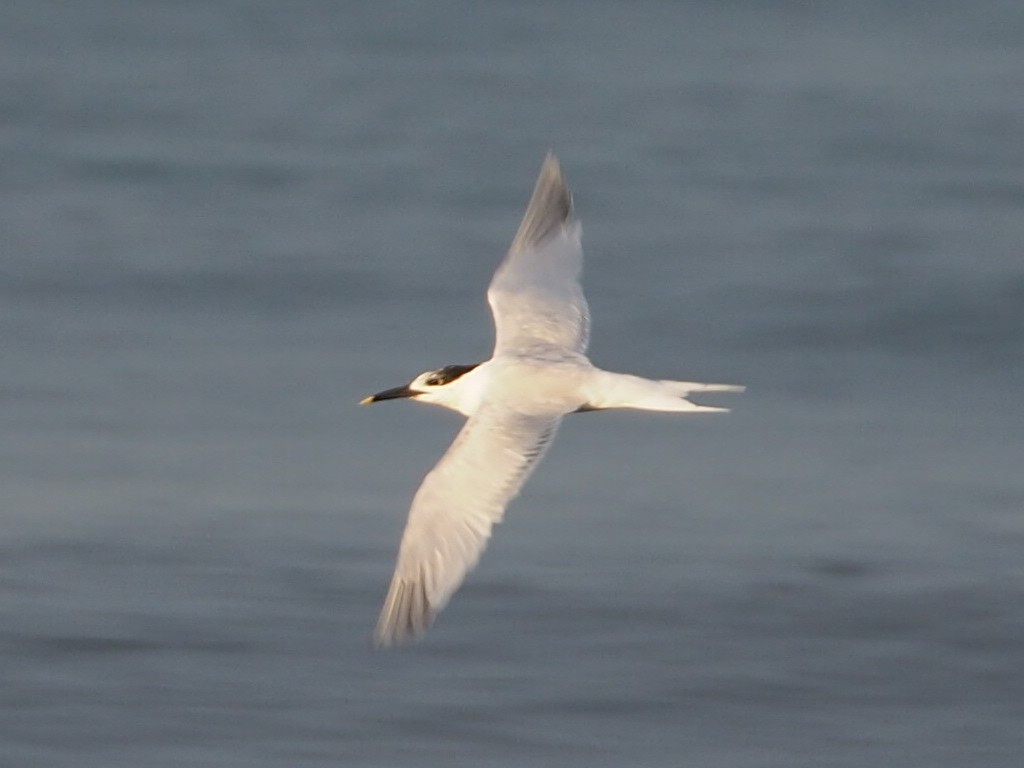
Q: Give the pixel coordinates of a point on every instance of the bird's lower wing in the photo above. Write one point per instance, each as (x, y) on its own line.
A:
(453, 512)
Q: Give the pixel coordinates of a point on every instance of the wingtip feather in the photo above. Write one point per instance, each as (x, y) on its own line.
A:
(407, 613)
(550, 206)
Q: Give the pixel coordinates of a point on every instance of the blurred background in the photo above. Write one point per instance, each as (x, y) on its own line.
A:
(223, 223)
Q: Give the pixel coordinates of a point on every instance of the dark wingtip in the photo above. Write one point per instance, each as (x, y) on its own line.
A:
(550, 206)
(406, 615)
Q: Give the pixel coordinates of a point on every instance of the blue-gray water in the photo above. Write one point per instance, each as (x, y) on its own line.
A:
(224, 223)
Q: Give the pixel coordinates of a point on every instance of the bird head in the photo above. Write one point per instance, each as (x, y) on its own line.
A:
(445, 387)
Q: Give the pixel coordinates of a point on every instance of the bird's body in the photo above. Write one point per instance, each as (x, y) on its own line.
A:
(515, 402)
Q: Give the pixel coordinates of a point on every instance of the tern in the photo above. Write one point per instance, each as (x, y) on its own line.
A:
(515, 402)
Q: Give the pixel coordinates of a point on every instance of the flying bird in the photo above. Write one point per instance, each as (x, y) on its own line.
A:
(515, 402)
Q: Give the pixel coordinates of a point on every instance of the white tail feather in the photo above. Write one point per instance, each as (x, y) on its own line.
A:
(684, 388)
(621, 390)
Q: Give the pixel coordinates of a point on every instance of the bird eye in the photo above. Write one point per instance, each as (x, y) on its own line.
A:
(433, 381)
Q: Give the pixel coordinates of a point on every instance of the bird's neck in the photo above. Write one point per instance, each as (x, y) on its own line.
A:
(467, 392)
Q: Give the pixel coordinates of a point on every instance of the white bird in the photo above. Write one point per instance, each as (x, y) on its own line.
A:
(515, 402)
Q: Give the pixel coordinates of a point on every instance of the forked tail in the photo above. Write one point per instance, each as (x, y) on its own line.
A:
(622, 390)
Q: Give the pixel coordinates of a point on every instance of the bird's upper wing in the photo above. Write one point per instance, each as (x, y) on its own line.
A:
(453, 512)
(535, 294)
